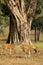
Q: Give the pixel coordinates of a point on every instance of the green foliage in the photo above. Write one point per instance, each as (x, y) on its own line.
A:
(38, 18)
(39, 6)
(38, 23)
(4, 16)
(38, 10)
(4, 22)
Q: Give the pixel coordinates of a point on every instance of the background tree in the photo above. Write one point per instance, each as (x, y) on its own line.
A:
(38, 20)
(4, 19)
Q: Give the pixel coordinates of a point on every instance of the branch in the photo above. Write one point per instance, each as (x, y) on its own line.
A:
(18, 2)
(32, 7)
(22, 5)
(14, 9)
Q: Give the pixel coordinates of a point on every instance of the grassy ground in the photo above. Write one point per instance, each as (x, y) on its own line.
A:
(19, 58)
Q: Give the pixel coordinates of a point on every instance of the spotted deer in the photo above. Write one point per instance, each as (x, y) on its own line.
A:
(6, 47)
(28, 48)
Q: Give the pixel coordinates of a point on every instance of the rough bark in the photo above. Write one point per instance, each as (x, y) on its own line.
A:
(23, 19)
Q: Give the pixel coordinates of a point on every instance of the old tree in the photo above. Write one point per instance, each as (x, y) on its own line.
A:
(21, 17)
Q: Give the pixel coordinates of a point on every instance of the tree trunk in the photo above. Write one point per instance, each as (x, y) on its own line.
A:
(8, 40)
(38, 35)
(20, 23)
(11, 31)
(35, 34)
(14, 34)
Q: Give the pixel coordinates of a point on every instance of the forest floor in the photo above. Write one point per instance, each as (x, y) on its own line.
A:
(20, 59)
(15, 59)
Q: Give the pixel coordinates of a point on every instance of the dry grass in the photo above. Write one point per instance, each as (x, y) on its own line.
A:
(20, 59)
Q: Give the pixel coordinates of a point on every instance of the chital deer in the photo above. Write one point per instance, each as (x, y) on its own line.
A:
(8, 46)
(28, 48)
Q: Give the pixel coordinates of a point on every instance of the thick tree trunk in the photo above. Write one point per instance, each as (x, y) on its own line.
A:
(20, 29)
